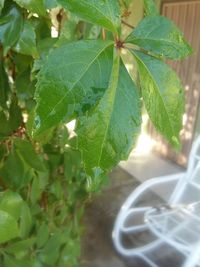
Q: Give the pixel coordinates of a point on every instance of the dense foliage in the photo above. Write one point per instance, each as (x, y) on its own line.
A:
(47, 173)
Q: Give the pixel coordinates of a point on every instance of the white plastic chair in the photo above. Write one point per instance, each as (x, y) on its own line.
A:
(174, 222)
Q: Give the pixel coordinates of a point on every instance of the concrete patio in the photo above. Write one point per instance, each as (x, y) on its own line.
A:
(98, 250)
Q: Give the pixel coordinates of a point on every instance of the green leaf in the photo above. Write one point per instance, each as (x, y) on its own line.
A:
(10, 261)
(4, 85)
(20, 246)
(26, 44)
(42, 235)
(150, 8)
(28, 154)
(106, 134)
(25, 221)
(163, 95)
(50, 253)
(57, 190)
(8, 227)
(160, 36)
(35, 6)
(69, 74)
(11, 22)
(72, 163)
(11, 202)
(105, 13)
(35, 190)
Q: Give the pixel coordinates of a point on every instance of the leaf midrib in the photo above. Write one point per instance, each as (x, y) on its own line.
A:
(111, 108)
(152, 39)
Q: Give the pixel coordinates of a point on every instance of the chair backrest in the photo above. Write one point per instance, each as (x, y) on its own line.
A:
(188, 188)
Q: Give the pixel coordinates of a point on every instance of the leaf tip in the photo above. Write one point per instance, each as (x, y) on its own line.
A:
(176, 143)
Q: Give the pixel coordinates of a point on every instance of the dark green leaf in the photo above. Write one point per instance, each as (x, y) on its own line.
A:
(163, 95)
(4, 85)
(28, 154)
(150, 8)
(106, 134)
(8, 227)
(3, 151)
(15, 115)
(42, 27)
(4, 125)
(13, 172)
(26, 44)
(24, 86)
(22, 62)
(105, 13)
(11, 202)
(160, 36)
(69, 74)
(10, 123)
(35, 6)
(11, 23)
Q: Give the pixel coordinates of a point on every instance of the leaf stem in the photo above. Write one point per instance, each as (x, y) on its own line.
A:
(128, 25)
(103, 34)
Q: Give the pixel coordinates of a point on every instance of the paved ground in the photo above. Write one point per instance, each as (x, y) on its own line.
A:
(98, 249)
(100, 215)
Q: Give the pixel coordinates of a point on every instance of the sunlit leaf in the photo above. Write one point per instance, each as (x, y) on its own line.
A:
(160, 36)
(163, 95)
(105, 13)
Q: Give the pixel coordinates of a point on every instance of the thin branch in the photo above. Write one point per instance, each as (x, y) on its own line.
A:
(103, 34)
(128, 25)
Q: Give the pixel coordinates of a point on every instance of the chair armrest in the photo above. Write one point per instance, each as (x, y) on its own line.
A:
(149, 185)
